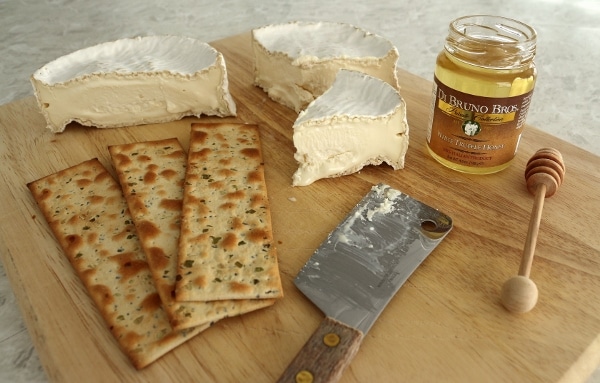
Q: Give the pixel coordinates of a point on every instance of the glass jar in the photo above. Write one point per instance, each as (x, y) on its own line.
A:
(483, 83)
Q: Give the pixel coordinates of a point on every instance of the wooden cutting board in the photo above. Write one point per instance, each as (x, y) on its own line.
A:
(445, 324)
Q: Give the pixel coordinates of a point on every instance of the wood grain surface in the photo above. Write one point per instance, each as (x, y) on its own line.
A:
(445, 324)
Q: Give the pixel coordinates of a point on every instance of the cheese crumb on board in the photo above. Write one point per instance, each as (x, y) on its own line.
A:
(296, 62)
(359, 121)
(142, 80)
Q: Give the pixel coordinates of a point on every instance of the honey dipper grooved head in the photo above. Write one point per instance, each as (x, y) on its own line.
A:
(546, 167)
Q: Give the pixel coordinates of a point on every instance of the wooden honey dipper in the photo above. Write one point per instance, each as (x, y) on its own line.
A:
(544, 173)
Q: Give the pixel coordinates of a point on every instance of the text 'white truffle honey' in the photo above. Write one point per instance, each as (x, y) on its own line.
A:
(483, 83)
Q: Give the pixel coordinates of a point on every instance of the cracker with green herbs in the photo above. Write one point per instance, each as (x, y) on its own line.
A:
(88, 215)
(226, 248)
(151, 175)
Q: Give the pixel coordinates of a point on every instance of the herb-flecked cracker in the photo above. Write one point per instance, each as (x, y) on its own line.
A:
(226, 248)
(88, 215)
(151, 175)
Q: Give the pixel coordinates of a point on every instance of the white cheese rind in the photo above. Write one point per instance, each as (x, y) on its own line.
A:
(297, 62)
(359, 121)
(136, 81)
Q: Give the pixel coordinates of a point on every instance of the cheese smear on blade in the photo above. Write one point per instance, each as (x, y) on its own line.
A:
(296, 62)
(135, 81)
(359, 121)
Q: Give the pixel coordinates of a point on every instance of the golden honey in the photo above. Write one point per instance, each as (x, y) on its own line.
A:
(483, 83)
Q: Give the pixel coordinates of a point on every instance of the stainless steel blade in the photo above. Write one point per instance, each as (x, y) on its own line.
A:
(363, 262)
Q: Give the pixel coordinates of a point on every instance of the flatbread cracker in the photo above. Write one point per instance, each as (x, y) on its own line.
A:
(226, 248)
(88, 215)
(151, 175)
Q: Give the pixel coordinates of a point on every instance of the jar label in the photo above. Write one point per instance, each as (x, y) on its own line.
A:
(475, 131)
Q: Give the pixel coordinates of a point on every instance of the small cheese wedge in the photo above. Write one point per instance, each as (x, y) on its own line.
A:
(296, 62)
(135, 81)
(359, 121)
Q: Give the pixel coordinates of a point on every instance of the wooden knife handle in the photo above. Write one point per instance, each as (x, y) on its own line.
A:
(325, 355)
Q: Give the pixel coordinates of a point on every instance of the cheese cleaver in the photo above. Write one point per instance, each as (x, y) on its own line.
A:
(356, 271)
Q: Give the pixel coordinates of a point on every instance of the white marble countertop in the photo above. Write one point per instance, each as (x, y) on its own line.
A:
(35, 32)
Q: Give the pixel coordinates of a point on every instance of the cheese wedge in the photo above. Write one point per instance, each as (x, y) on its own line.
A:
(296, 62)
(226, 247)
(151, 175)
(88, 215)
(135, 81)
(359, 121)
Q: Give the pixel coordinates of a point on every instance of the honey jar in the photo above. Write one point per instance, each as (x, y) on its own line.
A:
(483, 83)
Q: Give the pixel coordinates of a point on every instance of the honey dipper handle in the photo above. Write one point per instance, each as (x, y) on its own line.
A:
(532, 233)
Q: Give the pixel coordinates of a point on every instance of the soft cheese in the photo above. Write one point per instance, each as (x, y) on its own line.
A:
(296, 62)
(359, 121)
(135, 81)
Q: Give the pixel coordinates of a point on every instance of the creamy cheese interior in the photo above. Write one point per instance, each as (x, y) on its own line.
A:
(359, 121)
(141, 54)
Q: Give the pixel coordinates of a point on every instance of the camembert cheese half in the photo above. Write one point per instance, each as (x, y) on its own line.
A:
(151, 79)
(359, 121)
(296, 62)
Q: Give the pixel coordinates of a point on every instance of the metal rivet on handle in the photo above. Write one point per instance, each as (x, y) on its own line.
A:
(304, 376)
(331, 339)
